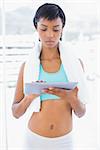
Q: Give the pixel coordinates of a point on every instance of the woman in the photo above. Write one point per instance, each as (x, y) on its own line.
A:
(51, 127)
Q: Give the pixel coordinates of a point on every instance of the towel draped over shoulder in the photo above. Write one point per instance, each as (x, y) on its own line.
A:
(72, 67)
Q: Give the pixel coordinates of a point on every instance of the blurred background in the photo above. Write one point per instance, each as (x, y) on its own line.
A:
(17, 39)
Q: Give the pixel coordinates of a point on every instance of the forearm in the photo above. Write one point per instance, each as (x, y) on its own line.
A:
(78, 107)
(18, 109)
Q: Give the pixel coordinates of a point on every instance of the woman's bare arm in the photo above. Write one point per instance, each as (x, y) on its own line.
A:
(77, 106)
(21, 102)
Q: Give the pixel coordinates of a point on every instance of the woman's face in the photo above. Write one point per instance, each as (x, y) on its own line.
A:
(49, 31)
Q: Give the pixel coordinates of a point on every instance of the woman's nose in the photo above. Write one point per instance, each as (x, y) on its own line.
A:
(50, 34)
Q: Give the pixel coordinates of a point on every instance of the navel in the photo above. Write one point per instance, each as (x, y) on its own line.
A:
(51, 126)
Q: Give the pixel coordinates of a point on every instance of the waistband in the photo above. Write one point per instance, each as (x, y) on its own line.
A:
(67, 136)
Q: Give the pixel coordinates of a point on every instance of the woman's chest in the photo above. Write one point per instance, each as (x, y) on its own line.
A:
(51, 66)
(52, 73)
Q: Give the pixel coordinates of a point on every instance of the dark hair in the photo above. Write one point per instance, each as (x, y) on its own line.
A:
(49, 11)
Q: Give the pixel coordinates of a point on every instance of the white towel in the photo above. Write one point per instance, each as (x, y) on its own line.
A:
(71, 65)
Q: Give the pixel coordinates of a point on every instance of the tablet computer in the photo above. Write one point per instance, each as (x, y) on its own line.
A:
(37, 87)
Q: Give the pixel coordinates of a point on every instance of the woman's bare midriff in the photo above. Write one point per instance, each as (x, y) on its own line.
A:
(53, 120)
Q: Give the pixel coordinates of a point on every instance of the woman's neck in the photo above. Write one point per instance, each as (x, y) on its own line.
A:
(49, 53)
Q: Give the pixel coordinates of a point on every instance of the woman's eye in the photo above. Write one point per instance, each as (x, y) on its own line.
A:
(55, 30)
(43, 29)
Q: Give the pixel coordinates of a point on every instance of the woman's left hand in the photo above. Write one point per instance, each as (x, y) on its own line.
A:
(71, 96)
(62, 93)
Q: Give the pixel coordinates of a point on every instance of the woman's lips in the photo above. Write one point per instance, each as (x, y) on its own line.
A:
(50, 42)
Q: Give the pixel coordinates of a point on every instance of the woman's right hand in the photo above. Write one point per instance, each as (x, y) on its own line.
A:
(21, 102)
(33, 96)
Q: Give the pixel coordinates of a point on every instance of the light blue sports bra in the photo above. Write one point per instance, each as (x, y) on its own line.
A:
(59, 76)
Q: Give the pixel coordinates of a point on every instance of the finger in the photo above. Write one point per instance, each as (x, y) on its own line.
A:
(48, 91)
(54, 92)
(50, 88)
(75, 89)
(45, 91)
(57, 89)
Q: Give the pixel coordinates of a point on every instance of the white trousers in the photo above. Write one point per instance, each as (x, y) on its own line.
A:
(34, 141)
